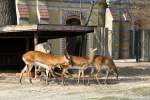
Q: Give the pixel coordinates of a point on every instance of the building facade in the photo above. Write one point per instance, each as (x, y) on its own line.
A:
(128, 31)
(57, 12)
(65, 12)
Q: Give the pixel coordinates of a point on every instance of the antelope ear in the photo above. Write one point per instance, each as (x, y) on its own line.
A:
(94, 49)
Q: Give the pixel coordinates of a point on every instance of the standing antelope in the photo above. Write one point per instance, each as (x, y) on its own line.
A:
(82, 63)
(101, 61)
(47, 61)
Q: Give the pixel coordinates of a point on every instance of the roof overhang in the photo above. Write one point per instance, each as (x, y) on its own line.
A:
(43, 31)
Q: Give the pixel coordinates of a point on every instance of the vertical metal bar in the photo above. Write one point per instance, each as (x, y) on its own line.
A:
(83, 46)
(106, 42)
(102, 46)
(137, 45)
(148, 47)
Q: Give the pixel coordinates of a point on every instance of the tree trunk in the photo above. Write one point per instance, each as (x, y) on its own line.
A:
(7, 12)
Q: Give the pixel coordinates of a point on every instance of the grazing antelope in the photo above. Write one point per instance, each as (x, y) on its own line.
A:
(101, 61)
(82, 63)
(43, 47)
(44, 60)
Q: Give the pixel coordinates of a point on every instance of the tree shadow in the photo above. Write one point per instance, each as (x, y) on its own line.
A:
(134, 71)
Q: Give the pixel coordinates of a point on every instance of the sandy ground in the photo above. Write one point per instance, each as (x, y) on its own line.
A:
(133, 84)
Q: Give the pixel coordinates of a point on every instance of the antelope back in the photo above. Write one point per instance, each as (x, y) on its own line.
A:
(79, 60)
(49, 59)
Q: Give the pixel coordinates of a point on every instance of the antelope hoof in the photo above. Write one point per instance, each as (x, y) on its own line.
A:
(98, 82)
(78, 83)
(88, 84)
(30, 80)
(117, 79)
(105, 82)
(20, 81)
(47, 83)
(63, 83)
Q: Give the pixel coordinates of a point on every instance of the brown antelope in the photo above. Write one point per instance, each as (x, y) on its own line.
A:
(43, 47)
(48, 61)
(106, 61)
(82, 63)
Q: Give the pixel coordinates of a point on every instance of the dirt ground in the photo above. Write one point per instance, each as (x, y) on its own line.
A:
(133, 84)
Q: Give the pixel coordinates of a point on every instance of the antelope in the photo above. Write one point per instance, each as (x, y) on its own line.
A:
(47, 61)
(106, 61)
(82, 63)
(44, 47)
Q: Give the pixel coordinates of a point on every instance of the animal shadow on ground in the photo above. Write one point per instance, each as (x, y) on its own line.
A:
(133, 74)
(126, 74)
(89, 77)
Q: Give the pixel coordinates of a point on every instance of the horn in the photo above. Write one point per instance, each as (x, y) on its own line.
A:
(69, 57)
(67, 54)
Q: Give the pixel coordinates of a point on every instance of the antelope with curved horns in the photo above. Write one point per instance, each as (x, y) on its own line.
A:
(47, 61)
(106, 61)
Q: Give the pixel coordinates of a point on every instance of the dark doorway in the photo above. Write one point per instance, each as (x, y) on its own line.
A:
(74, 44)
(73, 21)
(11, 53)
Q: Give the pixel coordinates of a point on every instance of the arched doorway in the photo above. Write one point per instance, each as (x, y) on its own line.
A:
(73, 21)
(74, 44)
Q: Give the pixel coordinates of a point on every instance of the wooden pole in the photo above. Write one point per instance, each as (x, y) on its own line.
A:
(35, 39)
(27, 44)
(35, 43)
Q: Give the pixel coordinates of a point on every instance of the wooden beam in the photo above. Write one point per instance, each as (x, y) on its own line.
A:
(35, 39)
(65, 28)
(44, 30)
